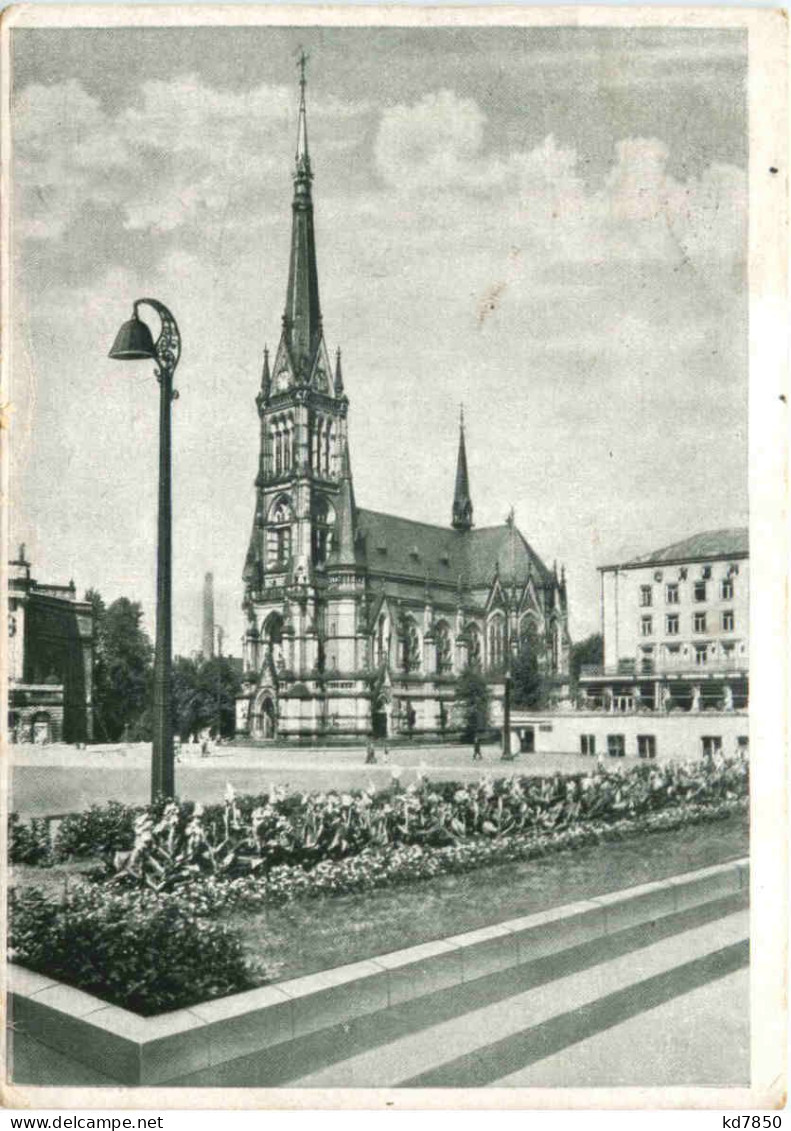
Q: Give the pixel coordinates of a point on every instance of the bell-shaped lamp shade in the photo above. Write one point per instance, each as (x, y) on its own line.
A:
(133, 342)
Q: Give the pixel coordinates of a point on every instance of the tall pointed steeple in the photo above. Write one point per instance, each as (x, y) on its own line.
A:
(302, 316)
(462, 503)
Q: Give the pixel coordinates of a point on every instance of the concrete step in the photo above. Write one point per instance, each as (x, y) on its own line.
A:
(487, 1044)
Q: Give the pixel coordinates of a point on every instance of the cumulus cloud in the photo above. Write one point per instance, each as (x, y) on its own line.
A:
(182, 154)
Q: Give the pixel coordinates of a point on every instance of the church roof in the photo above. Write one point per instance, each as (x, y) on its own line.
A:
(728, 543)
(420, 549)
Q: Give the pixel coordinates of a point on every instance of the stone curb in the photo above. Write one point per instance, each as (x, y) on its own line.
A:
(153, 1050)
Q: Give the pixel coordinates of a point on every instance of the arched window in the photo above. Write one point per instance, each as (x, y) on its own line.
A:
(272, 633)
(496, 642)
(381, 640)
(314, 443)
(322, 525)
(278, 535)
(444, 648)
(327, 446)
(474, 646)
(410, 645)
(286, 444)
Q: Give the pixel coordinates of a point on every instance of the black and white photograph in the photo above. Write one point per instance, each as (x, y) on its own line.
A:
(394, 439)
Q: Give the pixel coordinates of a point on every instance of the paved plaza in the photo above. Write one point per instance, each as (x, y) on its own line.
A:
(47, 780)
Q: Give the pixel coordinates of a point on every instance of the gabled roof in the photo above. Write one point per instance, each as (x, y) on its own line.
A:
(417, 549)
(494, 547)
(731, 542)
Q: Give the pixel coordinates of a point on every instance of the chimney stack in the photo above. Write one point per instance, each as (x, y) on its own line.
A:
(208, 616)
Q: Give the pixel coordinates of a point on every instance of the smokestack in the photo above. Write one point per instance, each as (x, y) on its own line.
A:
(208, 616)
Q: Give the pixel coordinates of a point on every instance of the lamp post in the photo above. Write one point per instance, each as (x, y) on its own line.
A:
(506, 754)
(220, 633)
(134, 343)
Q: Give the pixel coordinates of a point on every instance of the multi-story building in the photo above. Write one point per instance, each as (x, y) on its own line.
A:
(50, 660)
(675, 677)
(359, 621)
(676, 628)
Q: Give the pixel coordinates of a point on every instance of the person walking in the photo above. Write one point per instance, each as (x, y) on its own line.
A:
(370, 754)
(476, 750)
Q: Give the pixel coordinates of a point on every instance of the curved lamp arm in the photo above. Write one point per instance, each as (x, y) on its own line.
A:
(168, 345)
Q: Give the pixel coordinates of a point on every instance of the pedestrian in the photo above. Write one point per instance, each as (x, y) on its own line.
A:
(385, 754)
(476, 750)
(370, 754)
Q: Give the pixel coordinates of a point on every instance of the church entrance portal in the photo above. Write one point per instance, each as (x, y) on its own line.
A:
(379, 719)
(268, 721)
(264, 721)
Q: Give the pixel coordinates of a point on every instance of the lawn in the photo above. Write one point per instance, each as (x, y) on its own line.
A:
(304, 937)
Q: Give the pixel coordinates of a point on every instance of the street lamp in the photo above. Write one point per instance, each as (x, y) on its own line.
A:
(134, 343)
(218, 628)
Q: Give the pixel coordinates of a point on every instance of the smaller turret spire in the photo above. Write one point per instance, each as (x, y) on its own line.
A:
(462, 503)
(346, 525)
(338, 374)
(266, 382)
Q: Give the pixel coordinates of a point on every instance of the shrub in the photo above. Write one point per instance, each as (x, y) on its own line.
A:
(28, 843)
(99, 831)
(146, 954)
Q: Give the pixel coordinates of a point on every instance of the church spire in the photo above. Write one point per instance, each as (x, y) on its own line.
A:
(462, 503)
(302, 316)
(347, 517)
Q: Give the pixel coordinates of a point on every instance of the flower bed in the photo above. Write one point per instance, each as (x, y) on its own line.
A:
(188, 867)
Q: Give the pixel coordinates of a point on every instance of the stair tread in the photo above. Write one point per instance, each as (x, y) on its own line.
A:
(418, 1053)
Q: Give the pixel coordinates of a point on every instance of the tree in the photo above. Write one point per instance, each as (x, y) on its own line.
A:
(204, 695)
(473, 697)
(528, 671)
(587, 651)
(122, 670)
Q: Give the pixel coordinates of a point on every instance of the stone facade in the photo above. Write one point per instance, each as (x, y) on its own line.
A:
(50, 660)
(360, 622)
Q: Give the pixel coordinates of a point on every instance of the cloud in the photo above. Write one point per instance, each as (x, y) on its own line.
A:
(182, 155)
(579, 319)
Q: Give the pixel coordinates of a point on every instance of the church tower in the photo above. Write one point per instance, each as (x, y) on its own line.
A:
(303, 483)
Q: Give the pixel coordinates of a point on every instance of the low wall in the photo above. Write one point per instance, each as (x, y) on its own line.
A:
(170, 1048)
(678, 735)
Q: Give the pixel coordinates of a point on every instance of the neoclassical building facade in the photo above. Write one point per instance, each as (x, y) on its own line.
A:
(360, 622)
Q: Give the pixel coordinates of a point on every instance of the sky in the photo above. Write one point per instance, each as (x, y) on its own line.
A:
(546, 224)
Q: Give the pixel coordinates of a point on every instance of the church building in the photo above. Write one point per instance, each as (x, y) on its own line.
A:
(360, 622)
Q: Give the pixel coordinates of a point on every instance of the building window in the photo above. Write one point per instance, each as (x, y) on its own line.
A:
(727, 621)
(701, 654)
(699, 622)
(646, 626)
(323, 521)
(588, 744)
(496, 642)
(743, 742)
(278, 539)
(726, 589)
(444, 649)
(700, 591)
(646, 746)
(671, 593)
(646, 596)
(711, 744)
(410, 645)
(671, 624)
(616, 745)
